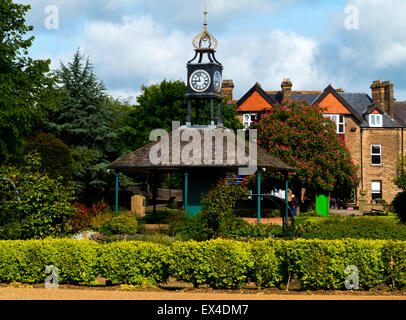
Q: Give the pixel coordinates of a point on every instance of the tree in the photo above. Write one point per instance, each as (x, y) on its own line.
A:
(300, 135)
(160, 104)
(26, 86)
(41, 208)
(86, 119)
(400, 179)
(56, 156)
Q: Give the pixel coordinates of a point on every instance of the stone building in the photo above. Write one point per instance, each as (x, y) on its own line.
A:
(372, 127)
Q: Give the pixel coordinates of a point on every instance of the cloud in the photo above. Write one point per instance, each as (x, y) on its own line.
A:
(140, 51)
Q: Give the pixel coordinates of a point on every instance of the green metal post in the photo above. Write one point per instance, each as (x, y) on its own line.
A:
(259, 195)
(117, 174)
(286, 199)
(185, 194)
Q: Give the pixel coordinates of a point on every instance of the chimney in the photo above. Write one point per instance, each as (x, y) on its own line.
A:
(286, 90)
(382, 96)
(389, 99)
(227, 89)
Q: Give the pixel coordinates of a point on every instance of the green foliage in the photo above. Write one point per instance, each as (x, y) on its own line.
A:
(399, 205)
(56, 156)
(133, 262)
(270, 266)
(218, 263)
(351, 227)
(237, 228)
(157, 106)
(321, 264)
(25, 261)
(88, 120)
(400, 179)
(300, 135)
(45, 205)
(218, 204)
(26, 87)
(124, 224)
(394, 258)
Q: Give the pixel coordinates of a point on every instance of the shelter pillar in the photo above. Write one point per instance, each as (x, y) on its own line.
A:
(117, 175)
(286, 199)
(185, 194)
(259, 195)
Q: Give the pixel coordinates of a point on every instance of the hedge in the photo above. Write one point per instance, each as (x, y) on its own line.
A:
(316, 264)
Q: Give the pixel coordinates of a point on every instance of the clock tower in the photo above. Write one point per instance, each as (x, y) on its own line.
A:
(204, 76)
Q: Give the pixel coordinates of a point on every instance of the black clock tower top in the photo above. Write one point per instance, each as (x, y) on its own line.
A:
(204, 74)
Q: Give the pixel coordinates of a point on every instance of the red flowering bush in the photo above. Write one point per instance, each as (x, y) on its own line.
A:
(85, 216)
(300, 135)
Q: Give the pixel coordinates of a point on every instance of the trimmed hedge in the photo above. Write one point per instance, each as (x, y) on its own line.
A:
(24, 261)
(134, 262)
(316, 264)
(218, 263)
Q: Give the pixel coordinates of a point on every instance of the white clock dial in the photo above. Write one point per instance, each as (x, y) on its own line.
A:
(199, 80)
(217, 81)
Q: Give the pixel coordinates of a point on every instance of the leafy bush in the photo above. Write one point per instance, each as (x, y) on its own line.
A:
(219, 203)
(25, 261)
(218, 263)
(399, 205)
(237, 228)
(87, 217)
(350, 227)
(125, 224)
(321, 264)
(56, 156)
(270, 267)
(394, 259)
(44, 207)
(134, 262)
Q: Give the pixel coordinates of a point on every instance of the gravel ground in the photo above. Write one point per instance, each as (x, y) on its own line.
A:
(102, 293)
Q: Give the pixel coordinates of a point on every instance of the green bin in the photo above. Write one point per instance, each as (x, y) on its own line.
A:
(323, 205)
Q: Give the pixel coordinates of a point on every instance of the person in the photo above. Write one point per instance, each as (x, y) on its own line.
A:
(294, 205)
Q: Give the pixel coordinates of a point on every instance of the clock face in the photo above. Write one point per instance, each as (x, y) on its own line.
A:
(217, 81)
(199, 80)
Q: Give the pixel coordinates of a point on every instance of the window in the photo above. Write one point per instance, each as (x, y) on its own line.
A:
(376, 154)
(339, 121)
(376, 187)
(248, 119)
(375, 120)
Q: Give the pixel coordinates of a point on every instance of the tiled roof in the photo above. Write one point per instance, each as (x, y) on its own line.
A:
(400, 112)
(140, 158)
(308, 97)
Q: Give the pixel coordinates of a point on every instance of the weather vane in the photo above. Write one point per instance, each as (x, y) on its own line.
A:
(205, 40)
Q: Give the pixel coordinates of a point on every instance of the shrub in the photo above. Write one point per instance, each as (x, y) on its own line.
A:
(394, 259)
(56, 156)
(86, 217)
(125, 224)
(270, 267)
(218, 263)
(25, 261)
(321, 264)
(134, 262)
(45, 205)
(350, 227)
(399, 205)
(219, 203)
(237, 228)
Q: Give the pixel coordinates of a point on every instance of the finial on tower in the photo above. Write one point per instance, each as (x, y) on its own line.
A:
(205, 40)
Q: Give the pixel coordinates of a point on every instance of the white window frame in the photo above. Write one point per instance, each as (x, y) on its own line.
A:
(247, 123)
(376, 154)
(377, 190)
(338, 119)
(375, 120)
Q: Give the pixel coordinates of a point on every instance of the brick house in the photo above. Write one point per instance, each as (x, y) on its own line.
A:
(372, 128)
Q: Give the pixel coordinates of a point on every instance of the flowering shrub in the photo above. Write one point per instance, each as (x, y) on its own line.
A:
(300, 135)
(85, 217)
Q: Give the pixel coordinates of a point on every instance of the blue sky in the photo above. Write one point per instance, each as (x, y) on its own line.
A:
(136, 42)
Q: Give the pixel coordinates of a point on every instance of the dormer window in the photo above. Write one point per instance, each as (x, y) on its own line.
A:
(375, 120)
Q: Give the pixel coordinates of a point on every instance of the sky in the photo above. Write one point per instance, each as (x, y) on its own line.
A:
(345, 43)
